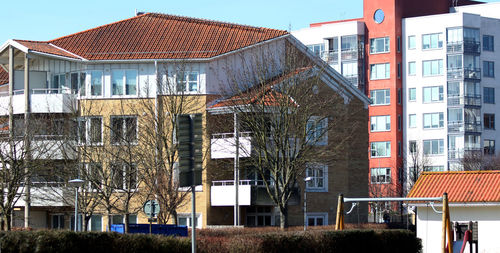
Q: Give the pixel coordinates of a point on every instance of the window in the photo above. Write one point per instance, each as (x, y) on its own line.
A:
(412, 68)
(413, 146)
(433, 147)
(399, 122)
(380, 123)
(412, 121)
(349, 43)
(123, 129)
(379, 45)
(96, 83)
(317, 219)
(489, 95)
(319, 177)
(412, 42)
(381, 175)
(124, 82)
(94, 173)
(433, 120)
(400, 96)
(434, 168)
(350, 69)
(83, 78)
(381, 149)
(433, 94)
(96, 223)
(259, 216)
(57, 221)
(184, 219)
(412, 94)
(58, 81)
(119, 219)
(317, 130)
(488, 43)
(317, 48)
(380, 71)
(432, 41)
(399, 70)
(90, 130)
(399, 44)
(488, 69)
(489, 147)
(489, 121)
(187, 82)
(454, 62)
(380, 97)
(432, 68)
(453, 89)
(124, 176)
(78, 83)
(400, 149)
(455, 115)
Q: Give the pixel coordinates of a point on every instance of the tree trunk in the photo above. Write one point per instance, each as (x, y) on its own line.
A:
(283, 217)
(108, 214)
(85, 222)
(126, 222)
(174, 216)
(7, 221)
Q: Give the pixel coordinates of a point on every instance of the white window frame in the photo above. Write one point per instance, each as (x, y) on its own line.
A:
(440, 67)
(440, 148)
(410, 44)
(124, 80)
(313, 170)
(374, 71)
(374, 120)
(387, 96)
(313, 136)
(432, 124)
(187, 216)
(438, 36)
(412, 68)
(374, 150)
(315, 216)
(122, 139)
(88, 138)
(412, 120)
(55, 90)
(387, 45)
(91, 73)
(434, 168)
(123, 169)
(387, 176)
(440, 92)
(179, 82)
(410, 97)
(89, 228)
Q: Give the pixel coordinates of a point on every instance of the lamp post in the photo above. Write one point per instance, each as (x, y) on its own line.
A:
(307, 179)
(77, 183)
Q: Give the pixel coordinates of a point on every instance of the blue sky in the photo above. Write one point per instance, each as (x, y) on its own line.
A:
(45, 20)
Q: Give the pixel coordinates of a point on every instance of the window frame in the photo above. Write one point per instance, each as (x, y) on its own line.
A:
(440, 147)
(124, 83)
(87, 121)
(489, 121)
(410, 42)
(440, 94)
(187, 216)
(412, 94)
(489, 69)
(488, 95)
(387, 175)
(387, 96)
(91, 83)
(374, 70)
(491, 42)
(387, 123)
(410, 125)
(439, 42)
(387, 149)
(316, 216)
(440, 67)
(312, 170)
(386, 43)
(125, 170)
(440, 123)
(123, 139)
(186, 82)
(312, 136)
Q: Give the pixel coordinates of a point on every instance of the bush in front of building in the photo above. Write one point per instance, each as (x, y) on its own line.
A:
(84, 242)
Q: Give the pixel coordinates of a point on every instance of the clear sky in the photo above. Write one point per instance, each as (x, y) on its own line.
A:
(45, 20)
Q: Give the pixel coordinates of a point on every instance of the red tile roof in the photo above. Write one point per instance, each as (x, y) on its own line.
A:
(45, 47)
(4, 76)
(158, 36)
(461, 186)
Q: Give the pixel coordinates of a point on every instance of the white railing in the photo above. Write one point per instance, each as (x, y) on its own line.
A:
(230, 135)
(41, 91)
(242, 182)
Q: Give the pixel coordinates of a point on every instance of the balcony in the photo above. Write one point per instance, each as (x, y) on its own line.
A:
(350, 54)
(470, 100)
(50, 148)
(473, 74)
(353, 79)
(49, 194)
(467, 46)
(250, 192)
(331, 57)
(223, 145)
(42, 101)
(464, 127)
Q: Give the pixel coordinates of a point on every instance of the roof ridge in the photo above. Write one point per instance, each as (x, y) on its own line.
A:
(98, 27)
(462, 172)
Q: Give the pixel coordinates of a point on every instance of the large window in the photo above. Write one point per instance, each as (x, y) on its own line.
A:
(412, 94)
(432, 68)
(317, 130)
(317, 48)
(432, 41)
(124, 82)
(379, 45)
(434, 168)
(432, 94)
(317, 219)
(434, 147)
(380, 97)
(433, 120)
(349, 43)
(124, 176)
(96, 83)
(412, 42)
(319, 177)
(58, 81)
(454, 61)
(488, 69)
(187, 82)
(380, 71)
(380, 149)
(184, 219)
(380, 175)
(412, 121)
(350, 69)
(380, 123)
(96, 223)
(455, 115)
(489, 121)
(412, 68)
(90, 130)
(488, 43)
(123, 129)
(489, 147)
(489, 95)
(78, 83)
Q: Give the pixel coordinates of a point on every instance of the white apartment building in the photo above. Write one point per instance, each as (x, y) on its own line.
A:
(449, 86)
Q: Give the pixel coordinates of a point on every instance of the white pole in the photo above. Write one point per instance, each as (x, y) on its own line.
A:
(236, 170)
(76, 209)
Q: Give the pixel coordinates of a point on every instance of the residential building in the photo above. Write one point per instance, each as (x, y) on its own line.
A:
(472, 206)
(429, 68)
(95, 95)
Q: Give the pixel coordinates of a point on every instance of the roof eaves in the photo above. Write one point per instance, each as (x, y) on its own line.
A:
(64, 50)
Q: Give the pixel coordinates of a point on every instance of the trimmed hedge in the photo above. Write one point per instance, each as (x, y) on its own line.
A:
(48, 241)
(67, 241)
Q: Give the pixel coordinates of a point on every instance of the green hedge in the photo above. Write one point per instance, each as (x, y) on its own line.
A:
(66, 241)
(385, 241)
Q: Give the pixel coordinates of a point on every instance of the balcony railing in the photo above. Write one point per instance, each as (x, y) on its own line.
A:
(467, 46)
(242, 182)
(464, 73)
(230, 135)
(330, 56)
(353, 79)
(471, 100)
(350, 54)
(460, 127)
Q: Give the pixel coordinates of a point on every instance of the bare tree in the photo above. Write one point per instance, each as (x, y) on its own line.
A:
(479, 161)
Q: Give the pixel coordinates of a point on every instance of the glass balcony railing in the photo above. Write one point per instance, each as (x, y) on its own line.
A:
(350, 54)
(466, 46)
(331, 57)
(461, 127)
(464, 73)
(469, 100)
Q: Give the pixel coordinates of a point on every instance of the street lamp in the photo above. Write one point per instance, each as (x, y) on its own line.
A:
(77, 183)
(307, 179)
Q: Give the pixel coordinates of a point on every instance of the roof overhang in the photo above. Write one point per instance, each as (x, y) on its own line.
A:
(460, 204)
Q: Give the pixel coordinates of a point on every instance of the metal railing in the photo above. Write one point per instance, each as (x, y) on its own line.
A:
(460, 126)
(41, 91)
(353, 79)
(470, 100)
(330, 56)
(350, 54)
(242, 182)
(230, 135)
(466, 46)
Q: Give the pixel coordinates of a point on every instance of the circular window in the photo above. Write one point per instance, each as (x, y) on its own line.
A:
(378, 16)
